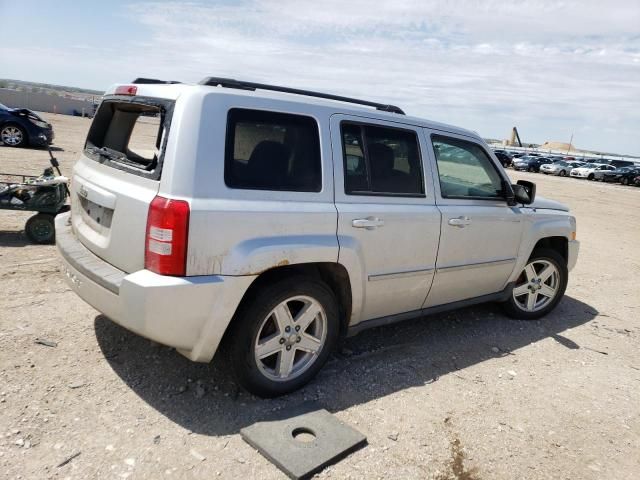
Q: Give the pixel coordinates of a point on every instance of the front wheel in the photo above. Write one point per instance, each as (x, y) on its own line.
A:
(41, 228)
(13, 136)
(590, 177)
(624, 181)
(282, 337)
(562, 173)
(539, 287)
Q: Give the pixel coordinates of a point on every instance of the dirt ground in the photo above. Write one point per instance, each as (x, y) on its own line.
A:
(465, 395)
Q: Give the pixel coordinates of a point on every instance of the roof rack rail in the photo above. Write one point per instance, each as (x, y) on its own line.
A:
(242, 85)
(142, 80)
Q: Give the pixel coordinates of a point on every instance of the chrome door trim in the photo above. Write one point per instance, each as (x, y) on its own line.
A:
(392, 275)
(454, 268)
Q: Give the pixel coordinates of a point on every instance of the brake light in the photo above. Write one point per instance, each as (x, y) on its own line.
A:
(126, 90)
(167, 235)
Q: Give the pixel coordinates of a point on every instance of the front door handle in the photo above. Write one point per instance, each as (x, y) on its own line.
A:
(459, 222)
(369, 223)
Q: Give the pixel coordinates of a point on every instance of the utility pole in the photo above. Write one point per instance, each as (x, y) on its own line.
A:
(570, 144)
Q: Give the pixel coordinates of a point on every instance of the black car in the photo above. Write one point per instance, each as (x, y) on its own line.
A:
(504, 158)
(530, 163)
(624, 175)
(20, 127)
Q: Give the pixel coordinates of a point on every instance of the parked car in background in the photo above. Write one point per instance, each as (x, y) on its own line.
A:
(624, 175)
(621, 163)
(504, 158)
(561, 168)
(588, 171)
(636, 181)
(20, 127)
(530, 164)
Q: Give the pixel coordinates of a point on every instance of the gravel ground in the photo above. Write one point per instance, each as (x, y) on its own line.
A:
(465, 395)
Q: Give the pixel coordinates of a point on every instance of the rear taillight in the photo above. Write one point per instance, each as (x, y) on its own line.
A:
(126, 90)
(167, 235)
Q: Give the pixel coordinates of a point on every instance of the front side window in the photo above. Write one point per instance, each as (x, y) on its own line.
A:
(465, 170)
(272, 151)
(381, 161)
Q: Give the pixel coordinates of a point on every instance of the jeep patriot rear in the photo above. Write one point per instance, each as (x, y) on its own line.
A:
(278, 220)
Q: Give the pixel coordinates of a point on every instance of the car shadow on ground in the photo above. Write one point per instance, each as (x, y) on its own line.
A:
(13, 238)
(204, 399)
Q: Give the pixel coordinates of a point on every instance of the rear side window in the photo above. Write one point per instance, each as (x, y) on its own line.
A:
(381, 161)
(130, 135)
(272, 151)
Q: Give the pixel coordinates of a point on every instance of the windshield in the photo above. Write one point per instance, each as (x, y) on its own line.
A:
(3, 107)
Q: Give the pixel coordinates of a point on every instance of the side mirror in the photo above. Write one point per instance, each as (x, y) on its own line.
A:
(524, 192)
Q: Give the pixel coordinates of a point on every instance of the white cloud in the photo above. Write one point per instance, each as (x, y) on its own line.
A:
(549, 67)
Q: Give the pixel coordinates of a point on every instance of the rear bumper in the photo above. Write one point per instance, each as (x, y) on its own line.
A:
(574, 248)
(188, 313)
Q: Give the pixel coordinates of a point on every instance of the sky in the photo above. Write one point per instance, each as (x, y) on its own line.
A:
(553, 68)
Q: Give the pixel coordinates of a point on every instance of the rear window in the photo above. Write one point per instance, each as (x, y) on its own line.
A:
(272, 151)
(130, 134)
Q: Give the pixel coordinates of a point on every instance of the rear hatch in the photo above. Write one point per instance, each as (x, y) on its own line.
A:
(118, 176)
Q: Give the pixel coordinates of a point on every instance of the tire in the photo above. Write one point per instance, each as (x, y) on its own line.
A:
(41, 228)
(590, 177)
(259, 319)
(562, 173)
(13, 135)
(530, 169)
(624, 181)
(518, 305)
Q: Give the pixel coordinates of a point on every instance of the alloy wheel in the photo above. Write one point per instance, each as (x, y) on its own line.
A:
(290, 338)
(11, 136)
(537, 285)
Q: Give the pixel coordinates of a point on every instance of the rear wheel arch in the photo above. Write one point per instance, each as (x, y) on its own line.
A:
(334, 275)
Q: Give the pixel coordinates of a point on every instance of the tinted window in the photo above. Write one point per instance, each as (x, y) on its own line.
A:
(272, 151)
(465, 169)
(380, 160)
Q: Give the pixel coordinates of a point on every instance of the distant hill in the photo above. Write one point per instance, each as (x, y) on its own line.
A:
(44, 87)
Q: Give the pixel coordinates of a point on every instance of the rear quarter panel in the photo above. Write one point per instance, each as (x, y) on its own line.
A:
(241, 231)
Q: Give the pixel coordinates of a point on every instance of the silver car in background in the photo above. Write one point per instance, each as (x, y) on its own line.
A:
(561, 168)
(590, 170)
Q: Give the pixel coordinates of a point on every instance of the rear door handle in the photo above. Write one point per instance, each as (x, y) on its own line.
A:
(459, 222)
(369, 223)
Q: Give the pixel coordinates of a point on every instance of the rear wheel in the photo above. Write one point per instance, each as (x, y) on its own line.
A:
(283, 336)
(41, 228)
(13, 136)
(624, 181)
(563, 173)
(539, 287)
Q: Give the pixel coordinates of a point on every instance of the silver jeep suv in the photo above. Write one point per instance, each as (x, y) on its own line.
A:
(276, 221)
